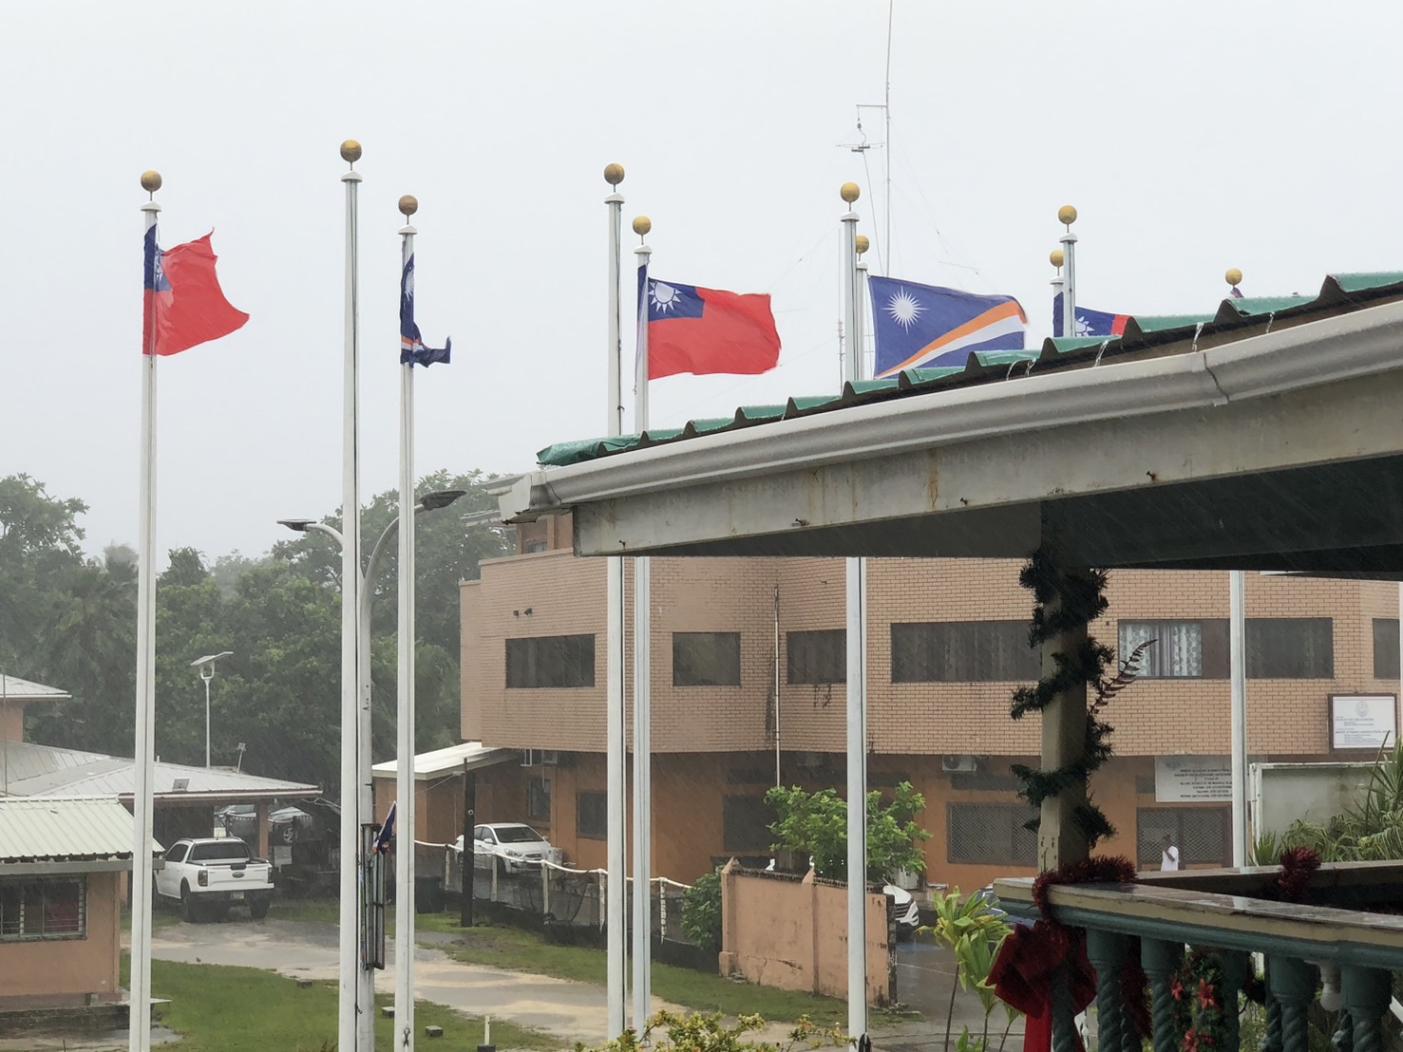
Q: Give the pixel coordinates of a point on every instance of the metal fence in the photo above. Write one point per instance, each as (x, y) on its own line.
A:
(551, 893)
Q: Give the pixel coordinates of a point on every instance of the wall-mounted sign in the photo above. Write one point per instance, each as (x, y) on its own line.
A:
(1192, 779)
(1363, 721)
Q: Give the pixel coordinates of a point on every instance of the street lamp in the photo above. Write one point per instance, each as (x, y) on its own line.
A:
(206, 667)
(363, 804)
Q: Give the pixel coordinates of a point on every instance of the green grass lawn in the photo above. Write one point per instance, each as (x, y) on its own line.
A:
(222, 1009)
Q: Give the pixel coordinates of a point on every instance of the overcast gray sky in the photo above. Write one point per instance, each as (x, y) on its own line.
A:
(1191, 136)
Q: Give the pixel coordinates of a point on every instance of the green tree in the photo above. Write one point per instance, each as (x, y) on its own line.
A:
(816, 825)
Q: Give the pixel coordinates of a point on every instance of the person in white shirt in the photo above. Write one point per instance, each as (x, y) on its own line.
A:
(1169, 856)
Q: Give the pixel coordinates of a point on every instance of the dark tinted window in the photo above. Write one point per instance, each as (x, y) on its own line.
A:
(963, 652)
(538, 799)
(992, 833)
(1200, 834)
(1290, 648)
(177, 853)
(228, 850)
(818, 657)
(551, 661)
(517, 835)
(706, 659)
(746, 824)
(1385, 648)
(592, 815)
(46, 908)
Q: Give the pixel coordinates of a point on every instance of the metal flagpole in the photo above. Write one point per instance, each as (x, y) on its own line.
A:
(860, 306)
(1237, 669)
(642, 690)
(617, 876)
(404, 794)
(142, 803)
(857, 685)
(1057, 258)
(350, 606)
(1067, 215)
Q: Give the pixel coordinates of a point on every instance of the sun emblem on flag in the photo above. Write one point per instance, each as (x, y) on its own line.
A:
(663, 296)
(904, 309)
(1083, 325)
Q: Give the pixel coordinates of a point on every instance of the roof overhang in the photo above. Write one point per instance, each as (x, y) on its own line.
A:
(64, 867)
(455, 759)
(230, 796)
(1282, 451)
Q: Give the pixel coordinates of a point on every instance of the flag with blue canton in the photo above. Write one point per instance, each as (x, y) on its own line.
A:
(924, 325)
(1089, 322)
(411, 344)
(386, 834)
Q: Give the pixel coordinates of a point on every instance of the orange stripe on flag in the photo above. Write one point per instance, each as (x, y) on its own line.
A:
(994, 314)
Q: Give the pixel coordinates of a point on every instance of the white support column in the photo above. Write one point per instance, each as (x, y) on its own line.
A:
(642, 692)
(349, 929)
(856, 590)
(404, 772)
(1067, 215)
(1237, 670)
(616, 984)
(139, 1017)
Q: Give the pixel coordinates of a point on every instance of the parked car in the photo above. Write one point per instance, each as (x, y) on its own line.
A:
(908, 914)
(514, 846)
(208, 875)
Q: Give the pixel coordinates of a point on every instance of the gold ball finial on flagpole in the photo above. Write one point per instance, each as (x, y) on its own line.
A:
(350, 151)
(151, 180)
(613, 174)
(642, 225)
(849, 192)
(862, 244)
(1067, 215)
(408, 205)
(1233, 277)
(1056, 258)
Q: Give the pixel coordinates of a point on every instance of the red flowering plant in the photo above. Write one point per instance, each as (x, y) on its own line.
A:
(1199, 1013)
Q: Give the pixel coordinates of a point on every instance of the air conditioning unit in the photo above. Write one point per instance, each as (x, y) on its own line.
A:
(958, 764)
(548, 757)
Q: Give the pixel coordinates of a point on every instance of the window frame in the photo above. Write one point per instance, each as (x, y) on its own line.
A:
(1389, 627)
(24, 887)
(601, 801)
(538, 786)
(1179, 813)
(919, 644)
(815, 655)
(533, 661)
(681, 637)
(1018, 814)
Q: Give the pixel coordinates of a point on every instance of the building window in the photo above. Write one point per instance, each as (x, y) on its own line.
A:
(1290, 648)
(43, 909)
(538, 799)
(818, 657)
(1385, 648)
(1200, 834)
(745, 824)
(963, 652)
(1177, 649)
(706, 659)
(592, 815)
(551, 661)
(992, 833)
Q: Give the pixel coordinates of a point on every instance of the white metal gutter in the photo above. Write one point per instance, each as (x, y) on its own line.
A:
(1363, 342)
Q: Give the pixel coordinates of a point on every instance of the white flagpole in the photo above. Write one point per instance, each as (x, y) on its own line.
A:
(1237, 669)
(1067, 215)
(139, 1034)
(404, 854)
(350, 634)
(1056, 257)
(642, 695)
(857, 686)
(860, 305)
(617, 795)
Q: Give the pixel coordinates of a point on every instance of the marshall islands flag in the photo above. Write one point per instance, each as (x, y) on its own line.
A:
(922, 325)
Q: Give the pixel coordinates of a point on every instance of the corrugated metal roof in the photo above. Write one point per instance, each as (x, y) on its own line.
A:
(70, 830)
(31, 769)
(463, 756)
(1144, 336)
(12, 688)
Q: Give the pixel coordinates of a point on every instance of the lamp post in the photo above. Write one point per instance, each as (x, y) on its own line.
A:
(206, 667)
(363, 804)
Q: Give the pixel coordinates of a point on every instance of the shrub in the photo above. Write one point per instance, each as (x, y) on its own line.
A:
(701, 913)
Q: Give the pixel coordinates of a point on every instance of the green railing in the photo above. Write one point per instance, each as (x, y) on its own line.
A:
(1336, 947)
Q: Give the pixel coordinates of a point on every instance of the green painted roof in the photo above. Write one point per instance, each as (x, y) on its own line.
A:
(1142, 332)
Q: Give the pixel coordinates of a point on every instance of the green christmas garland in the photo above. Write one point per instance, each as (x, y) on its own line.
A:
(1064, 601)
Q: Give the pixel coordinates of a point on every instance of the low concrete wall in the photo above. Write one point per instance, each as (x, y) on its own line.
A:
(791, 932)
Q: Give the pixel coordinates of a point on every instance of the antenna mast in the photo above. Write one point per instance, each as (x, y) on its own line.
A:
(863, 145)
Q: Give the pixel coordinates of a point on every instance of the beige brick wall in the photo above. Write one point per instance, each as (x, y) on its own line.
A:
(565, 595)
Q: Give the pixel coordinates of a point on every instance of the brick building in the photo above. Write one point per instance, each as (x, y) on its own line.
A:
(947, 647)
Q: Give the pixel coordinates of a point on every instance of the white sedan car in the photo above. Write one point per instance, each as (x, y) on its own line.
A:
(514, 845)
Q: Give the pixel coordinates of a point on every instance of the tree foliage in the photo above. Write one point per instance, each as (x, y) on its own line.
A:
(69, 620)
(816, 825)
(701, 912)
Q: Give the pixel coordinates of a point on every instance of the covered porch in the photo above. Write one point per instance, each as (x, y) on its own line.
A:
(1267, 437)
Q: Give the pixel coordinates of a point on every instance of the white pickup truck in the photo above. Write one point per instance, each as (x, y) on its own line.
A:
(206, 876)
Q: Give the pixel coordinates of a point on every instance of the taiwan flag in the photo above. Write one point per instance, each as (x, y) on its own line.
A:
(1089, 322)
(184, 304)
(690, 329)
